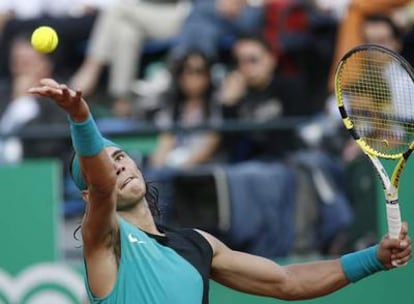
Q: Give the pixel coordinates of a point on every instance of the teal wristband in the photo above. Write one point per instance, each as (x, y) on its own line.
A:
(361, 264)
(86, 138)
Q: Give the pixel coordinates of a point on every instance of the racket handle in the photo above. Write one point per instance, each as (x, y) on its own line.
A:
(394, 225)
(394, 220)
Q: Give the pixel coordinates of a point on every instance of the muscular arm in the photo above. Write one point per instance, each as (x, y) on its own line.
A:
(260, 276)
(99, 226)
(99, 220)
(97, 170)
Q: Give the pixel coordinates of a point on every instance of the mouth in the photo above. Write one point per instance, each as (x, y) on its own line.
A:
(126, 182)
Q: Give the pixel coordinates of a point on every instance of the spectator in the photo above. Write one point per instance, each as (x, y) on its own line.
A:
(27, 68)
(214, 20)
(301, 34)
(350, 32)
(254, 92)
(189, 104)
(117, 40)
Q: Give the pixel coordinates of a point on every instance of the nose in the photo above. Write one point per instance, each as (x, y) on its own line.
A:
(119, 168)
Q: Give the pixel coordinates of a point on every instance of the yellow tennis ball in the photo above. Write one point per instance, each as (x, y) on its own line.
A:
(44, 39)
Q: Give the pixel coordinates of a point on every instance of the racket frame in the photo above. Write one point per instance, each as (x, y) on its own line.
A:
(390, 186)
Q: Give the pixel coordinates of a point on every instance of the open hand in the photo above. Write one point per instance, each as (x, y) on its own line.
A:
(69, 100)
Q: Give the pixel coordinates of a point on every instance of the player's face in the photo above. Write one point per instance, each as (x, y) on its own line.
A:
(130, 183)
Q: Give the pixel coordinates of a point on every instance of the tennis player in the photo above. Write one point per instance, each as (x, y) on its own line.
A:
(131, 259)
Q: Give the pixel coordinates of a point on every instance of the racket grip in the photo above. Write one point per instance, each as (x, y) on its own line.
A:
(394, 220)
(394, 225)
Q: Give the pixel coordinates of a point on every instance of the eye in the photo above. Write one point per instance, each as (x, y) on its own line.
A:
(119, 157)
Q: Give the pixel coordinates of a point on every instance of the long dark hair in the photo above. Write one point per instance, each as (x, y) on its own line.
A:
(176, 96)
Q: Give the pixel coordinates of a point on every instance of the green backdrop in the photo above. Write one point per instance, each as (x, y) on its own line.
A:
(30, 196)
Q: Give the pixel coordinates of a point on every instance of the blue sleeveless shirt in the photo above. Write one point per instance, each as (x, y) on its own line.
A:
(154, 269)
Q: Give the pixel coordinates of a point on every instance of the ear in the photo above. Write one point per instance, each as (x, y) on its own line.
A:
(85, 196)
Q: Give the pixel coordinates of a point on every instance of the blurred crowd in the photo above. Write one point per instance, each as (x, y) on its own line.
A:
(297, 186)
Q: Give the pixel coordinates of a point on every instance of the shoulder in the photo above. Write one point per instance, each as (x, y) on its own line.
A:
(215, 244)
(207, 236)
(195, 236)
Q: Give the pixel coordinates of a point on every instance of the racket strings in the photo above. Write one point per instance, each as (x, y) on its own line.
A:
(378, 95)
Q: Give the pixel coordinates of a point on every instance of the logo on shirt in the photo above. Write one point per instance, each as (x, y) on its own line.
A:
(133, 239)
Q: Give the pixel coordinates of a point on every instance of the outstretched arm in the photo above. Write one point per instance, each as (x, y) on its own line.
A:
(99, 226)
(96, 167)
(260, 276)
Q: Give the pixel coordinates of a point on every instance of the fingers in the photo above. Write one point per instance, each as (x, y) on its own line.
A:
(402, 261)
(405, 249)
(45, 92)
(404, 230)
(392, 244)
(49, 83)
(65, 92)
(401, 255)
(68, 94)
(78, 95)
(50, 88)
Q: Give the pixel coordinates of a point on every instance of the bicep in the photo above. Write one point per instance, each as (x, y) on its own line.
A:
(245, 272)
(248, 273)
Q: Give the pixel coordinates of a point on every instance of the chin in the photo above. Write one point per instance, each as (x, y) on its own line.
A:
(129, 200)
(125, 205)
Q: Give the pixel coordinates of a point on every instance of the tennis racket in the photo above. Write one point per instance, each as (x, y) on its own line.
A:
(375, 94)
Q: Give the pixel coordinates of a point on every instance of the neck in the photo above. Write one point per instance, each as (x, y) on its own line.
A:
(141, 216)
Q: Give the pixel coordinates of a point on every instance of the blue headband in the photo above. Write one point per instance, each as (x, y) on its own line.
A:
(76, 170)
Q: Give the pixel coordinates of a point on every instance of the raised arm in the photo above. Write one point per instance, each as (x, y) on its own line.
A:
(260, 276)
(97, 172)
(96, 167)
